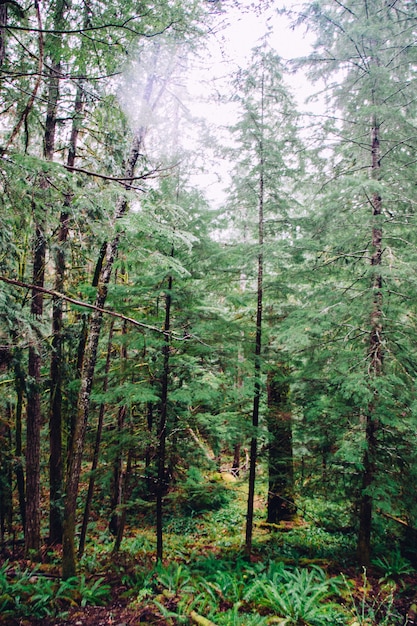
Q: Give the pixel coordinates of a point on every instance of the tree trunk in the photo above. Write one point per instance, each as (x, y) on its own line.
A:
(117, 495)
(162, 427)
(20, 475)
(3, 24)
(90, 358)
(236, 459)
(126, 490)
(280, 460)
(258, 350)
(94, 463)
(55, 412)
(6, 500)
(89, 363)
(375, 359)
(33, 411)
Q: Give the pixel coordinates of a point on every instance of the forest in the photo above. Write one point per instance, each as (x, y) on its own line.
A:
(208, 314)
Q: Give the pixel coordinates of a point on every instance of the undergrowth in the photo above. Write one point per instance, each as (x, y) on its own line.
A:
(31, 593)
(294, 577)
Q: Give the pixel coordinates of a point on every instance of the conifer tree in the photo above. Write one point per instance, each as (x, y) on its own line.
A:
(266, 137)
(360, 306)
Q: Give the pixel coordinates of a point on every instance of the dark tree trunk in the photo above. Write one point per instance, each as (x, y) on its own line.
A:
(20, 475)
(149, 421)
(162, 427)
(375, 363)
(6, 501)
(126, 489)
(55, 412)
(89, 363)
(280, 459)
(258, 351)
(33, 411)
(117, 495)
(3, 24)
(236, 459)
(96, 453)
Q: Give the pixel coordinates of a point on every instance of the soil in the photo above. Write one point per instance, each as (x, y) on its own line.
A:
(114, 615)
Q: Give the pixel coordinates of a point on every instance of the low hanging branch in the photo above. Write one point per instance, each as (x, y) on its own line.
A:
(93, 307)
(158, 172)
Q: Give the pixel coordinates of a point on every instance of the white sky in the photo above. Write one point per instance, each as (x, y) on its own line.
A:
(230, 51)
(206, 79)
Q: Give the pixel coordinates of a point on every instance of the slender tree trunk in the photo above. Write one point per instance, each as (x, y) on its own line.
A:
(117, 496)
(6, 500)
(258, 349)
(90, 358)
(33, 411)
(20, 475)
(236, 459)
(96, 453)
(162, 428)
(149, 448)
(126, 490)
(3, 24)
(55, 438)
(375, 362)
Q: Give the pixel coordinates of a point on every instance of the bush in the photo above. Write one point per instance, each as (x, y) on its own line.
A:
(200, 494)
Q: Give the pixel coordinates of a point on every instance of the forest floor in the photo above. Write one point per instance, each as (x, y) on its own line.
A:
(206, 579)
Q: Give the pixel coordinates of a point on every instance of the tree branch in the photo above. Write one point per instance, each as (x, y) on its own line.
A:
(93, 307)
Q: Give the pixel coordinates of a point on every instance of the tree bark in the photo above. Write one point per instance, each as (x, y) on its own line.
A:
(20, 474)
(96, 453)
(56, 370)
(33, 411)
(6, 499)
(258, 349)
(90, 358)
(126, 490)
(87, 374)
(162, 427)
(117, 495)
(375, 359)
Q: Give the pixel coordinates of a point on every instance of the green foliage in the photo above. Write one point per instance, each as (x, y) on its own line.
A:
(198, 494)
(393, 566)
(95, 593)
(299, 596)
(31, 593)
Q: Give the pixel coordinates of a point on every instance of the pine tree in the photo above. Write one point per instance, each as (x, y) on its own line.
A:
(359, 312)
(266, 138)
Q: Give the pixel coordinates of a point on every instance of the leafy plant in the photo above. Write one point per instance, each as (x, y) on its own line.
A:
(27, 593)
(299, 596)
(96, 593)
(393, 566)
(199, 494)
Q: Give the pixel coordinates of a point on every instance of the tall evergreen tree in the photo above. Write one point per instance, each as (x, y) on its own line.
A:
(266, 138)
(360, 309)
